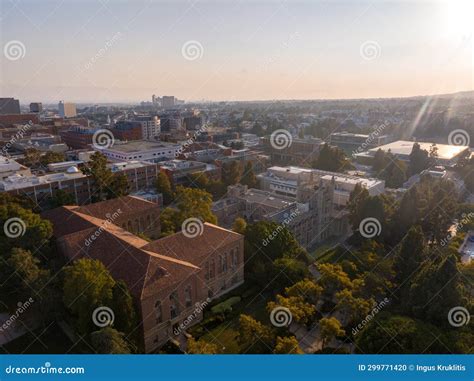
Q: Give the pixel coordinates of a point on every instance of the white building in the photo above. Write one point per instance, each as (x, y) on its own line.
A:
(447, 154)
(150, 126)
(141, 150)
(67, 110)
(9, 167)
(287, 181)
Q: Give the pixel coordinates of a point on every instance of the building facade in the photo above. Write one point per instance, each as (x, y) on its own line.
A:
(67, 109)
(171, 279)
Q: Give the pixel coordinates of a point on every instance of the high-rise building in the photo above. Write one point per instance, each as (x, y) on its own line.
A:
(168, 101)
(36, 107)
(9, 106)
(67, 110)
(150, 126)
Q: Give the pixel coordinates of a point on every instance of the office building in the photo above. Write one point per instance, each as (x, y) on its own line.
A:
(168, 101)
(9, 106)
(67, 110)
(142, 150)
(36, 107)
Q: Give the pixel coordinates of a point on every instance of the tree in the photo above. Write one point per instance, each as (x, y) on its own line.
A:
(52, 157)
(22, 274)
(109, 341)
(62, 198)
(353, 309)
(436, 289)
(22, 228)
(230, 173)
(163, 186)
(306, 289)
(100, 175)
(190, 203)
(118, 186)
(239, 225)
(254, 336)
(288, 271)
(332, 159)
(393, 334)
(248, 177)
(287, 346)
(333, 279)
(202, 347)
(87, 285)
(261, 252)
(419, 160)
(330, 328)
(122, 302)
(301, 311)
(32, 158)
(408, 260)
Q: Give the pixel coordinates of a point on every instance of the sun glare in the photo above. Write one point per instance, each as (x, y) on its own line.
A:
(458, 16)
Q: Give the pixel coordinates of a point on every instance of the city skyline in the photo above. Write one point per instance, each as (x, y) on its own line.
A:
(268, 50)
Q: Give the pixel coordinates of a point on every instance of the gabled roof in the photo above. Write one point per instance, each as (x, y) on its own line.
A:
(145, 266)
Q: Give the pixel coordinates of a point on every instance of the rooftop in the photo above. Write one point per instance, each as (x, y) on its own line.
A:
(404, 148)
(140, 146)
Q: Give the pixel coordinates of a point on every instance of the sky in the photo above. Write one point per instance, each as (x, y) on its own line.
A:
(125, 51)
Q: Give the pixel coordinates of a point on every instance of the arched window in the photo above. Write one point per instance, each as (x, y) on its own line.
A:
(188, 298)
(158, 311)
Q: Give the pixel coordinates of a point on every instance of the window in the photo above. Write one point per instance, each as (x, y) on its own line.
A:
(174, 310)
(235, 258)
(159, 312)
(212, 272)
(188, 297)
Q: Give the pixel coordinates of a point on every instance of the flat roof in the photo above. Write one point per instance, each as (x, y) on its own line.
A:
(404, 148)
(141, 145)
(266, 198)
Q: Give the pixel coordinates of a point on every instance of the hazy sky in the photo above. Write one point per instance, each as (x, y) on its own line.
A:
(103, 51)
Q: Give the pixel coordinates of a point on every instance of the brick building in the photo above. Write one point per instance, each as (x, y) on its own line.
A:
(169, 279)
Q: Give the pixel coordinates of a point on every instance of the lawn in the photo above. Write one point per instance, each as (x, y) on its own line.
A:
(225, 334)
